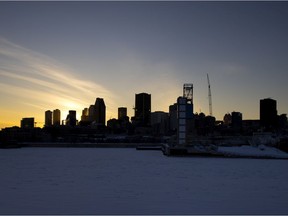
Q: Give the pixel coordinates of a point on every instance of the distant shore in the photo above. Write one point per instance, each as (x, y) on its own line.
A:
(209, 151)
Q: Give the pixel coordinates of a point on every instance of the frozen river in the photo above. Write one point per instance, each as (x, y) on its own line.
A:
(127, 181)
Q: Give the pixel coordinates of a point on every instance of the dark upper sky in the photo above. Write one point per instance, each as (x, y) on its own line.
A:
(117, 49)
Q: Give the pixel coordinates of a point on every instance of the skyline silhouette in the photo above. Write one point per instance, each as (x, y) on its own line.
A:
(64, 54)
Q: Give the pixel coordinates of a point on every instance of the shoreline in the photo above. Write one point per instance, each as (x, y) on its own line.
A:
(183, 151)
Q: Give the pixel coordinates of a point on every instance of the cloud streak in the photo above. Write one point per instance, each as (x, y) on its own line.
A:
(37, 83)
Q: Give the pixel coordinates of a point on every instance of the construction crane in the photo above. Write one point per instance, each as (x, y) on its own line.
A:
(209, 96)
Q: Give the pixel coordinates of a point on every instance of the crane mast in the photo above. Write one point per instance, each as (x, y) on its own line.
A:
(209, 96)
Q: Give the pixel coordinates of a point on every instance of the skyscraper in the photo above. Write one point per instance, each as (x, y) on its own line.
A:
(56, 117)
(122, 113)
(48, 118)
(236, 120)
(142, 109)
(85, 115)
(92, 113)
(268, 113)
(71, 118)
(100, 110)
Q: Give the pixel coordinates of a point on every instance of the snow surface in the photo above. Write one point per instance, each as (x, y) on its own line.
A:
(127, 181)
(254, 151)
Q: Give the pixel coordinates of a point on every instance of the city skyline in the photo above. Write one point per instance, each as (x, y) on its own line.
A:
(62, 55)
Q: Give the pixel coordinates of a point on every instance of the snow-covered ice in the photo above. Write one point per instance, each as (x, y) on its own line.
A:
(254, 151)
(127, 181)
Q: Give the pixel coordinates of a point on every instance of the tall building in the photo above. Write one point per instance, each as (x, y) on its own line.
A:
(100, 110)
(188, 94)
(56, 117)
(236, 120)
(48, 118)
(182, 120)
(27, 123)
(282, 121)
(122, 113)
(160, 122)
(173, 122)
(142, 109)
(85, 115)
(71, 118)
(92, 113)
(268, 113)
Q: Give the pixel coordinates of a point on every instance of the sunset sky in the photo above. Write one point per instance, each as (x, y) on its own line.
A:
(62, 55)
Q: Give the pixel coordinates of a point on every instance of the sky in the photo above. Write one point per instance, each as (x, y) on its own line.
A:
(63, 55)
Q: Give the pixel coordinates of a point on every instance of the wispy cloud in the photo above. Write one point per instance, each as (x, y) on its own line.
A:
(36, 81)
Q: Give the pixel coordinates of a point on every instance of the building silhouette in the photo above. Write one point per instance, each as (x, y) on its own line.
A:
(122, 113)
(173, 122)
(92, 114)
(142, 109)
(268, 113)
(282, 121)
(56, 117)
(100, 111)
(160, 123)
(227, 119)
(71, 118)
(27, 123)
(85, 115)
(48, 118)
(236, 122)
(182, 123)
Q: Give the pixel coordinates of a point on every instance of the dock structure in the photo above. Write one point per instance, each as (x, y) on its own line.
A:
(185, 115)
(185, 124)
(187, 142)
(243, 151)
(199, 150)
(181, 120)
